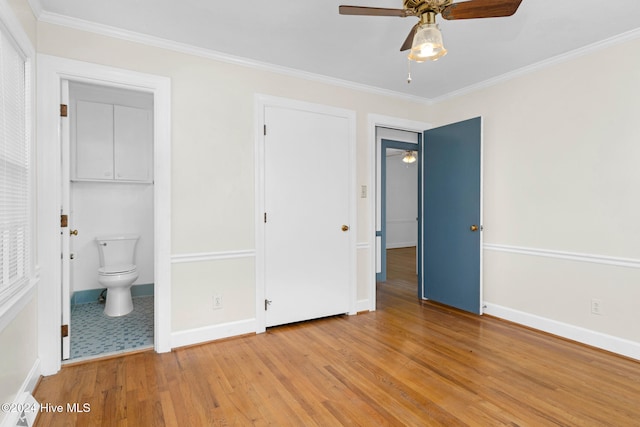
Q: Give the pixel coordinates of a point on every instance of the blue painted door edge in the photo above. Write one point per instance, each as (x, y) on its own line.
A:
(420, 242)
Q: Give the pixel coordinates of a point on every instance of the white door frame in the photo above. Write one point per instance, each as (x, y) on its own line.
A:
(261, 101)
(51, 71)
(374, 121)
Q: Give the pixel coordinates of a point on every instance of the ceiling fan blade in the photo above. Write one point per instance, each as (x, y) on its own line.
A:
(409, 41)
(481, 9)
(374, 11)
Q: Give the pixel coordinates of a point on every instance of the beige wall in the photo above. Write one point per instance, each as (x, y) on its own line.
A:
(213, 161)
(561, 155)
(18, 339)
(23, 12)
(18, 342)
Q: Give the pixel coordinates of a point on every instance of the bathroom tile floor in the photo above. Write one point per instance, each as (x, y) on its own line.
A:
(95, 334)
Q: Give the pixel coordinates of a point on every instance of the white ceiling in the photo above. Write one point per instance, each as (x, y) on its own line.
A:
(311, 36)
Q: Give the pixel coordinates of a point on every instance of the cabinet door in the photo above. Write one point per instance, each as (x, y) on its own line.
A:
(94, 140)
(132, 144)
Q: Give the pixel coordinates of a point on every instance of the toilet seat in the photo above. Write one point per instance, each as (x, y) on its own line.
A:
(115, 270)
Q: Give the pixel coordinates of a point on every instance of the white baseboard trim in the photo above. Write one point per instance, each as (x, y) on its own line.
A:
(24, 397)
(212, 333)
(610, 343)
(32, 379)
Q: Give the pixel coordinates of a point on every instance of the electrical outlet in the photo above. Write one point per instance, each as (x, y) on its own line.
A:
(596, 306)
(217, 302)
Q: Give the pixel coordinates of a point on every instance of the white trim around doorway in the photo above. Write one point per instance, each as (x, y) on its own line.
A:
(51, 71)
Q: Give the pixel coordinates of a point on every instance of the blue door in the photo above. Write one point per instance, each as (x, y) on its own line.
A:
(452, 215)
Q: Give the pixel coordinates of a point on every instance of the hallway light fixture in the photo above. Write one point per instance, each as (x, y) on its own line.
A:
(409, 157)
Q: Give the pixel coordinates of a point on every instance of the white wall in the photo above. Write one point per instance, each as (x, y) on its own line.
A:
(402, 201)
(104, 209)
(561, 201)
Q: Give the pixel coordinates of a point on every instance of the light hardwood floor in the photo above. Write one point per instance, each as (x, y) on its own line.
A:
(408, 363)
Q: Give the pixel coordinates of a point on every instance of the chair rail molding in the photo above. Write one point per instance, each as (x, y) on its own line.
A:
(212, 256)
(572, 256)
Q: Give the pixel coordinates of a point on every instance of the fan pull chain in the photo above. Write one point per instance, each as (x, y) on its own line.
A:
(408, 71)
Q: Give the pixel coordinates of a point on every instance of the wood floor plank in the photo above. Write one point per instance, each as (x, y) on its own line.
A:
(407, 363)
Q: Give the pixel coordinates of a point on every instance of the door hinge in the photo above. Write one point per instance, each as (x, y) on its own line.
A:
(264, 129)
(64, 330)
(64, 221)
(266, 304)
(63, 110)
(265, 217)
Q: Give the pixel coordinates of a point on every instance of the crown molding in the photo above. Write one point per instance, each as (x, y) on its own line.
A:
(109, 31)
(565, 57)
(36, 7)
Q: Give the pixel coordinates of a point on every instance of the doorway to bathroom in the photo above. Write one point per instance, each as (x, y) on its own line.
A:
(53, 233)
(107, 192)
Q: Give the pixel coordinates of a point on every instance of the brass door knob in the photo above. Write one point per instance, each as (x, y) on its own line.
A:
(73, 232)
(473, 228)
(345, 228)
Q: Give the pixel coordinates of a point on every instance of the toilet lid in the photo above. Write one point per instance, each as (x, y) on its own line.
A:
(116, 269)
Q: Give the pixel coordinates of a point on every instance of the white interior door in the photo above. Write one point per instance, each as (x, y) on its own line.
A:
(65, 229)
(307, 237)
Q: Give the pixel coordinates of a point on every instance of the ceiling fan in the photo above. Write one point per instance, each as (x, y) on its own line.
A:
(408, 156)
(425, 39)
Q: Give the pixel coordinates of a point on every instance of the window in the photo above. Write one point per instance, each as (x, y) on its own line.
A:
(16, 175)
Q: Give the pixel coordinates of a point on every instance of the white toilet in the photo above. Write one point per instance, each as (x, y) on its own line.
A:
(117, 272)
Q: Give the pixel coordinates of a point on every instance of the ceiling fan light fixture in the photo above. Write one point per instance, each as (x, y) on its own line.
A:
(427, 44)
(409, 157)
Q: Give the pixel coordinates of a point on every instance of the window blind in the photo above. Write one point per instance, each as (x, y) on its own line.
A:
(15, 171)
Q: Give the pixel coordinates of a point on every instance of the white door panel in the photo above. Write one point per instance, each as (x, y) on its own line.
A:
(307, 202)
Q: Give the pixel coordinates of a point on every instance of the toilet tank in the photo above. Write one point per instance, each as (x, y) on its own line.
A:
(117, 250)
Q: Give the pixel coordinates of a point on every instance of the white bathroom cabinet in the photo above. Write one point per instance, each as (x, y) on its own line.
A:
(112, 143)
